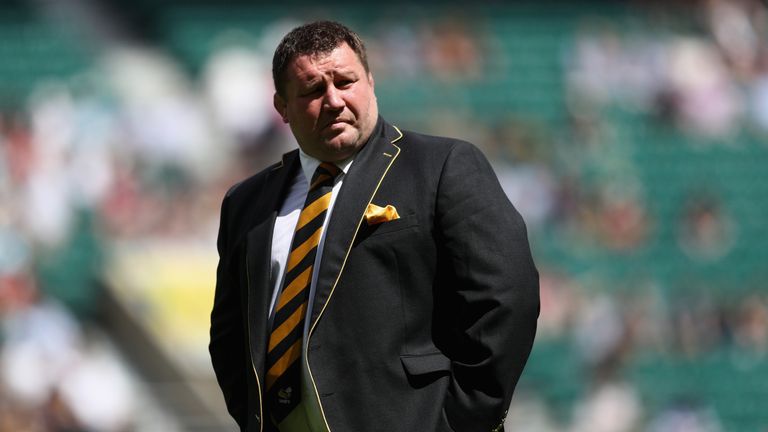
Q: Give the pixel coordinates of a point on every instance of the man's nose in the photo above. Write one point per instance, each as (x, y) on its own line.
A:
(333, 100)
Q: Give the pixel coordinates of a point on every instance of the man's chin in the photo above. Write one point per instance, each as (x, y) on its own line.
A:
(339, 150)
(336, 136)
(341, 142)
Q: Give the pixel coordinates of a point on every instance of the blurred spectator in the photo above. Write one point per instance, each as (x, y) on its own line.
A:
(521, 158)
(559, 297)
(453, 51)
(529, 414)
(99, 392)
(600, 333)
(705, 230)
(610, 407)
(732, 23)
(703, 96)
(607, 67)
(695, 324)
(685, 415)
(396, 52)
(531, 188)
(593, 65)
(165, 120)
(759, 93)
(622, 220)
(751, 327)
(238, 88)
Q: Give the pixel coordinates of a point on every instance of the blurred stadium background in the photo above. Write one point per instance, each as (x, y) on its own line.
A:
(631, 135)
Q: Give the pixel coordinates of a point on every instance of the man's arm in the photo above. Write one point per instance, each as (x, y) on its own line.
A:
(227, 336)
(496, 290)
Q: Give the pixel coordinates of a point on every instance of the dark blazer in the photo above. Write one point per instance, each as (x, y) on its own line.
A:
(423, 323)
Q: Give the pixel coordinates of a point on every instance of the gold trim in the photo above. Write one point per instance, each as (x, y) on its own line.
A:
(282, 163)
(387, 154)
(338, 276)
(398, 138)
(250, 352)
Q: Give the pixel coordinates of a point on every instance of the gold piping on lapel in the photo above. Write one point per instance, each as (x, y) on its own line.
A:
(338, 276)
(397, 139)
(250, 352)
(387, 154)
(282, 162)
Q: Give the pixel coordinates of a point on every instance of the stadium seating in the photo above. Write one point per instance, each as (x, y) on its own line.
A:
(525, 76)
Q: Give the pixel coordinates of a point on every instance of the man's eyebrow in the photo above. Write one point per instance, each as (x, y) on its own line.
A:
(346, 72)
(311, 81)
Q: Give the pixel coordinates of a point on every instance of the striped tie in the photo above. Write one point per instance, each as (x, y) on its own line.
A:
(283, 381)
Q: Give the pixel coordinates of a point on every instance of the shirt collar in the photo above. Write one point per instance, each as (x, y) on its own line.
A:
(310, 164)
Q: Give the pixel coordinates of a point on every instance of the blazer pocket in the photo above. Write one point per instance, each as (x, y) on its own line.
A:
(422, 364)
(389, 227)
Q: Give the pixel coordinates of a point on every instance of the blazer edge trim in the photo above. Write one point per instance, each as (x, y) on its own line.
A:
(250, 352)
(338, 276)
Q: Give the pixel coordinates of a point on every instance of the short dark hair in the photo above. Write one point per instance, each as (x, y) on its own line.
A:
(319, 37)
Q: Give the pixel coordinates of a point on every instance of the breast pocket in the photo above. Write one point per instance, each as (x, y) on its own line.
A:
(384, 229)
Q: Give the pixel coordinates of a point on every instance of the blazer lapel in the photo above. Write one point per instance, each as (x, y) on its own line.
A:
(360, 184)
(258, 253)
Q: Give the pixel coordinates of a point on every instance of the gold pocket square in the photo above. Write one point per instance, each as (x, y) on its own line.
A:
(376, 215)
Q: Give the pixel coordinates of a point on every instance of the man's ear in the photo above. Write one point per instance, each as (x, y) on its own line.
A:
(370, 79)
(281, 107)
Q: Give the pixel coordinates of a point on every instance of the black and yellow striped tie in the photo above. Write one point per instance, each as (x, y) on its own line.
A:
(283, 381)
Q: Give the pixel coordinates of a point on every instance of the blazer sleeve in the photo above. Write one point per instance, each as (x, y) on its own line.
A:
(495, 290)
(227, 346)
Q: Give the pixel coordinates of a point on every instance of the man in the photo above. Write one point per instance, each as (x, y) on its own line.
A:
(374, 279)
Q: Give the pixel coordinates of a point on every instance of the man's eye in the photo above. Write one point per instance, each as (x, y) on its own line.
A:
(345, 83)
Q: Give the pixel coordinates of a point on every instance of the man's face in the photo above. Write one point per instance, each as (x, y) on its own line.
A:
(329, 103)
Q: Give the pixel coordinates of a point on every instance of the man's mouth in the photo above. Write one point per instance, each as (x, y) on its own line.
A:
(332, 123)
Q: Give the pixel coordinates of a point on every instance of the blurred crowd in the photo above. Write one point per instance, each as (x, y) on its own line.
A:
(709, 80)
(55, 376)
(607, 340)
(128, 152)
(135, 149)
(706, 84)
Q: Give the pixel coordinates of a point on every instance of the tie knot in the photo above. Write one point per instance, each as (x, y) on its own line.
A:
(324, 175)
